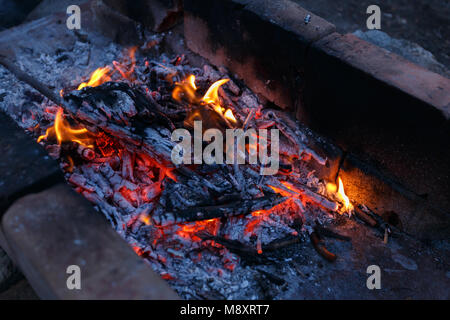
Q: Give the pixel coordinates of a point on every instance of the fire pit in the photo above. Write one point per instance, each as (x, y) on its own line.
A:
(223, 193)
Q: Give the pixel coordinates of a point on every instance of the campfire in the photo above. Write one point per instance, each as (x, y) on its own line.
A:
(240, 150)
(199, 225)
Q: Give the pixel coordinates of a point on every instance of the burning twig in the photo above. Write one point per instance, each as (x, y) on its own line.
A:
(297, 138)
(297, 190)
(365, 217)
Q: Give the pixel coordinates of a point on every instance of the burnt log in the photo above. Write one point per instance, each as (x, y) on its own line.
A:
(235, 208)
(249, 254)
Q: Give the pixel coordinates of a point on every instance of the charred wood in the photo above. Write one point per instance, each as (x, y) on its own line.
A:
(320, 247)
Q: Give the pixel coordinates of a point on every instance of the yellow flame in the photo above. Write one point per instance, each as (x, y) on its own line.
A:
(229, 115)
(331, 188)
(339, 194)
(187, 89)
(212, 96)
(191, 81)
(343, 197)
(64, 133)
(98, 77)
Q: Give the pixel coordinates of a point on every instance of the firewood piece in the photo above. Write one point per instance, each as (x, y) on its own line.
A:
(249, 254)
(281, 243)
(321, 200)
(228, 197)
(382, 225)
(99, 181)
(80, 181)
(235, 208)
(123, 203)
(302, 190)
(128, 165)
(330, 233)
(365, 217)
(195, 176)
(296, 137)
(150, 192)
(86, 153)
(320, 248)
(158, 147)
(113, 216)
(118, 102)
(248, 99)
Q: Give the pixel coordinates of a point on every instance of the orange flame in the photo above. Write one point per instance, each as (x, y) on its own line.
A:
(63, 132)
(189, 230)
(188, 89)
(97, 78)
(212, 95)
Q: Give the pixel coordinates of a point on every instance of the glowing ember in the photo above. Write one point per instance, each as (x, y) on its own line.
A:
(65, 133)
(97, 78)
(189, 230)
(126, 67)
(145, 219)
